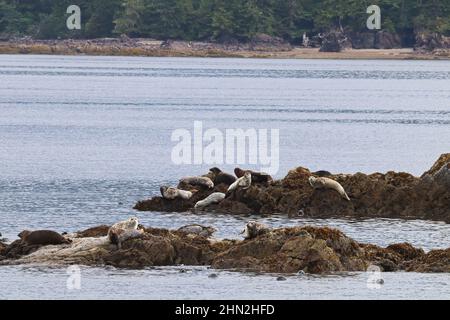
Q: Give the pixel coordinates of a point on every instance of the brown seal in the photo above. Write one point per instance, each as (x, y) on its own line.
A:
(43, 237)
(221, 177)
(257, 177)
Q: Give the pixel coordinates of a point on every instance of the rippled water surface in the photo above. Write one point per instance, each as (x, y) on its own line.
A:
(83, 138)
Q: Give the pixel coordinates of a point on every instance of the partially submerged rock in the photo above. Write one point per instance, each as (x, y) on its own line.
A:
(305, 249)
(389, 195)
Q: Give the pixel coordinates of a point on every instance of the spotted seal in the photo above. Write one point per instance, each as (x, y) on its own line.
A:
(253, 229)
(243, 182)
(215, 197)
(197, 181)
(327, 183)
(171, 193)
(124, 230)
(198, 229)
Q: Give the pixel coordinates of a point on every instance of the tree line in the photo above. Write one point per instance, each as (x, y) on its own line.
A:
(216, 20)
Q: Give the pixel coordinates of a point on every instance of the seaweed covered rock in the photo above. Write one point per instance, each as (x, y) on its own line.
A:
(433, 261)
(289, 250)
(286, 250)
(387, 195)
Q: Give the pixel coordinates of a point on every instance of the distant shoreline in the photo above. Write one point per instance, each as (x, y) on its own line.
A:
(157, 48)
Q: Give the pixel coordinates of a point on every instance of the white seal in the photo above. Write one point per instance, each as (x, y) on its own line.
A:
(324, 182)
(124, 230)
(215, 197)
(243, 182)
(171, 193)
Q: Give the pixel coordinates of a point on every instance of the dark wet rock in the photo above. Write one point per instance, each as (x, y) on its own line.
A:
(387, 40)
(364, 40)
(305, 249)
(387, 195)
(19, 248)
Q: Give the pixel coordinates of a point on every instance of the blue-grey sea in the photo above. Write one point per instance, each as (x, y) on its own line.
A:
(83, 138)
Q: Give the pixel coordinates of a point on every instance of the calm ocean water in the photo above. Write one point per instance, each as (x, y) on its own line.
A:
(83, 138)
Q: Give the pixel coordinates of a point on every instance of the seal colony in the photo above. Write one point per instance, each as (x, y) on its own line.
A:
(294, 250)
(318, 194)
(305, 249)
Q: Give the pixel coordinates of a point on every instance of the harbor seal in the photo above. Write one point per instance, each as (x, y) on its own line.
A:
(198, 229)
(327, 183)
(253, 229)
(124, 230)
(215, 197)
(322, 173)
(257, 177)
(243, 182)
(221, 177)
(43, 237)
(171, 193)
(197, 181)
(131, 223)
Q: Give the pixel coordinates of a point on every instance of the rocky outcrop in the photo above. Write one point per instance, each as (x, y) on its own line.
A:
(388, 195)
(314, 250)
(375, 40)
(308, 249)
(334, 41)
(264, 42)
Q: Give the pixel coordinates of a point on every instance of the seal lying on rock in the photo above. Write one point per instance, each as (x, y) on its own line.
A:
(257, 177)
(322, 173)
(243, 182)
(254, 229)
(171, 193)
(43, 237)
(221, 177)
(124, 230)
(197, 181)
(198, 230)
(215, 197)
(323, 182)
